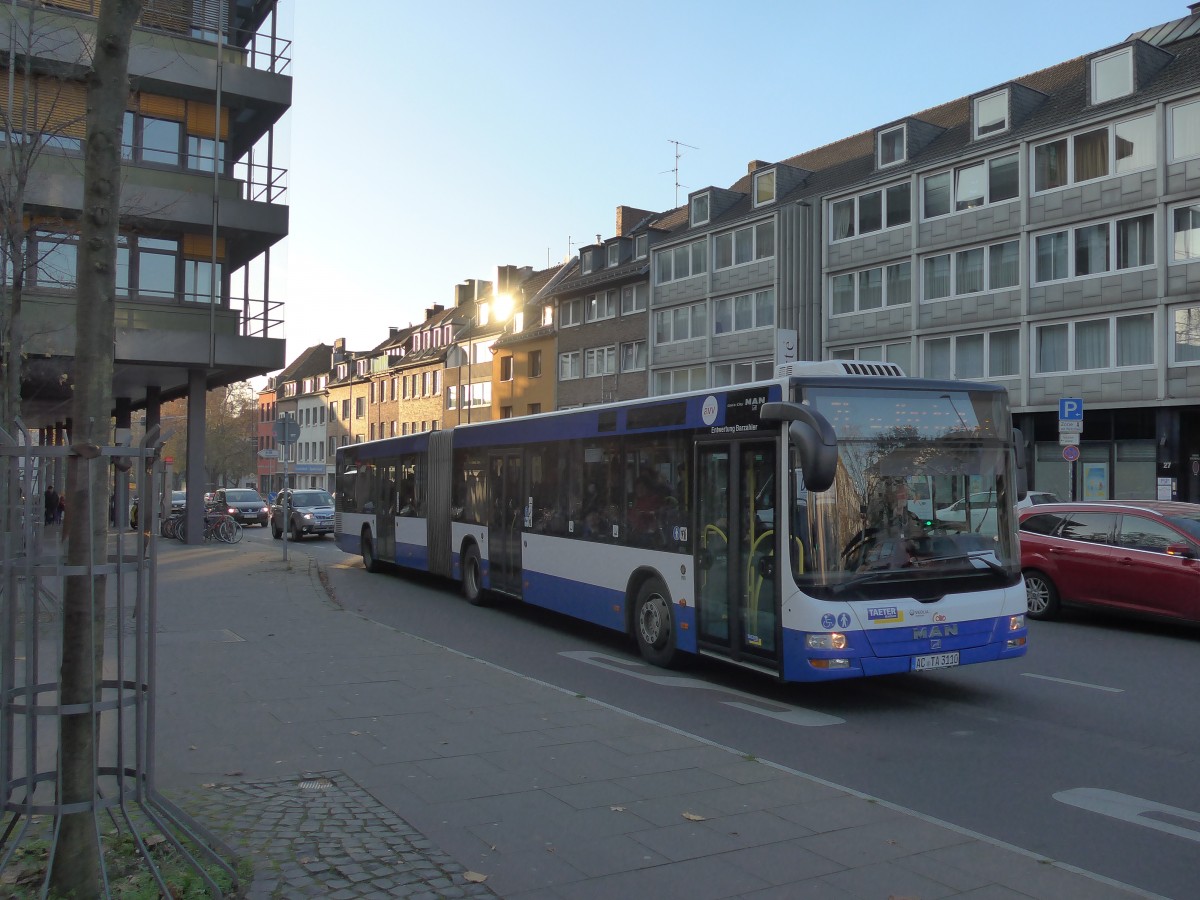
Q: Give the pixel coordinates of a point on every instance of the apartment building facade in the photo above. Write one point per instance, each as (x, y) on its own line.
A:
(523, 355)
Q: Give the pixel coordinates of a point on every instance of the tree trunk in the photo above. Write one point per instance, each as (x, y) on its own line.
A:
(76, 868)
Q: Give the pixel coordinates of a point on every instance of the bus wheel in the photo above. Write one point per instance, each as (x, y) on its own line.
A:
(653, 624)
(472, 576)
(370, 563)
(1041, 595)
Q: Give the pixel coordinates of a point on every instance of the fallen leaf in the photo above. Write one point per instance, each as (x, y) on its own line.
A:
(356, 733)
(154, 840)
(692, 817)
(191, 746)
(234, 774)
(475, 877)
(617, 808)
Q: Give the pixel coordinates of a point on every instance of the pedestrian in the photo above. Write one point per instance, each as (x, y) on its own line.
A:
(51, 504)
(61, 511)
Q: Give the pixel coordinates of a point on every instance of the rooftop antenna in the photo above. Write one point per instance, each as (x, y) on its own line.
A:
(675, 170)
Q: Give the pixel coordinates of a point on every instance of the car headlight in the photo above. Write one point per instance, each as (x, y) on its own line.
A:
(232, 510)
(308, 515)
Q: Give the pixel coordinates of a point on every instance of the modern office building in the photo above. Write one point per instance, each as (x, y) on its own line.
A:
(202, 201)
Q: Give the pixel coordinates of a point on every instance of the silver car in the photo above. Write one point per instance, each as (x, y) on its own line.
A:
(309, 512)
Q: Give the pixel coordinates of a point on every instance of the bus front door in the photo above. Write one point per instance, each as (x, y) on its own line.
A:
(736, 599)
(505, 523)
(385, 514)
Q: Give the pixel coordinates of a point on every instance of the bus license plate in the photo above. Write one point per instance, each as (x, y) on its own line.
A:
(934, 661)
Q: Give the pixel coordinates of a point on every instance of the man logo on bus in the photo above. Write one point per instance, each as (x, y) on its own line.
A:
(708, 412)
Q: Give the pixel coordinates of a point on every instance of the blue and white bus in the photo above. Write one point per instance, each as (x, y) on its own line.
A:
(766, 524)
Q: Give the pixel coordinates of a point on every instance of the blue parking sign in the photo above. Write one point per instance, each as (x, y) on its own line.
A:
(1070, 408)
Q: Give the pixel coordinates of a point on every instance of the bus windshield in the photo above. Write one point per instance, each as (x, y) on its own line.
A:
(923, 489)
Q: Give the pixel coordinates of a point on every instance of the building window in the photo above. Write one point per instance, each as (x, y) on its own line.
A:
(745, 245)
(899, 354)
(871, 289)
(634, 298)
(535, 363)
(991, 114)
(973, 356)
(360, 407)
(588, 261)
(699, 214)
(726, 374)
(53, 256)
(602, 305)
(872, 211)
(971, 271)
(633, 356)
(969, 187)
(641, 246)
(535, 408)
(1112, 76)
(1185, 233)
(506, 368)
(764, 187)
(600, 361)
(1185, 131)
(1122, 147)
(506, 412)
(676, 381)
(890, 146)
(680, 324)
(1114, 342)
(680, 262)
(569, 313)
(744, 312)
(1186, 341)
(1094, 249)
(614, 254)
(568, 365)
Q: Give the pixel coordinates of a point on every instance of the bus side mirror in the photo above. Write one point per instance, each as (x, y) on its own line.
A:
(1022, 464)
(814, 438)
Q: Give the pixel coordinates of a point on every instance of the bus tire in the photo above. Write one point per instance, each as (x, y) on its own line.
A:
(1042, 600)
(367, 546)
(472, 576)
(654, 623)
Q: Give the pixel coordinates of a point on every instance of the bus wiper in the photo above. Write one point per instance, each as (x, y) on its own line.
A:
(868, 578)
(980, 555)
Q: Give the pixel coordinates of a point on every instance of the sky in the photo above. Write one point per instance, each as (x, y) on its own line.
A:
(428, 143)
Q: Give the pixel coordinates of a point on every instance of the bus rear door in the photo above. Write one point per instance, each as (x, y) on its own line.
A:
(737, 498)
(505, 522)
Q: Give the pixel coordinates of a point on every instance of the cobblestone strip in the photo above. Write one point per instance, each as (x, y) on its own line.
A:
(322, 835)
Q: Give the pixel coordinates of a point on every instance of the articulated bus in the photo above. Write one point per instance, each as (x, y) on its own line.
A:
(766, 524)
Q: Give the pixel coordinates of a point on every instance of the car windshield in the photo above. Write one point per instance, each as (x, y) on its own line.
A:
(242, 497)
(178, 496)
(312, 498)
(1189, 524)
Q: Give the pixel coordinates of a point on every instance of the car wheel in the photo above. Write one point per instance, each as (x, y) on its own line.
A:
(1041, 595)
(654, 624)
(367, 546)
(472, 576)
(276, 531)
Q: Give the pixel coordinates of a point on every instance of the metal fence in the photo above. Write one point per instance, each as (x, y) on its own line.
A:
(122, 709)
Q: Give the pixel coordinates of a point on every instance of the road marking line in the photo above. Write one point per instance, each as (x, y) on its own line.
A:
(792, 715)
(1084, 684)
(1132, 809)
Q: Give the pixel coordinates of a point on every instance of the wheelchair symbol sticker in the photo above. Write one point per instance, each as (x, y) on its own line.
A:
(828, 621)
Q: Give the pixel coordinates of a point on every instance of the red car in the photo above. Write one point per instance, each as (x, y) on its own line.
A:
(1137, 555)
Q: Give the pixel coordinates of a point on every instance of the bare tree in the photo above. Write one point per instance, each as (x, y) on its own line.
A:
(230, 433)
(75, 870)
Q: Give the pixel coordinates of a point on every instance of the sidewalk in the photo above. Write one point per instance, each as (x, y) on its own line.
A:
(352, 760)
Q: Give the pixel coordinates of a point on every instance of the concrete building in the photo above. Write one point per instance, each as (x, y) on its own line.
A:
(201, 202)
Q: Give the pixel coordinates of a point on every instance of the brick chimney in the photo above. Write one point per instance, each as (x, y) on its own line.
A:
(629, 216)
(754, 165)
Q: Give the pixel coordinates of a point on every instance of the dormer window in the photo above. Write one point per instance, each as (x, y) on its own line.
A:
(699, 209)
(548, 314)
(641, 246)
(588, 261)
(614, 254)
(891, 146)
(764, 187)
(1112, 76)
(991, 114)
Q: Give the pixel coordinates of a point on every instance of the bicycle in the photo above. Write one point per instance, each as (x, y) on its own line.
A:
(219, 526)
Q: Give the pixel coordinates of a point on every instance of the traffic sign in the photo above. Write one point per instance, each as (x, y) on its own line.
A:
(287, 431)
(1070, 408)
(268, 453)
(1070, 426)
(1071, 453)
(1068, 438)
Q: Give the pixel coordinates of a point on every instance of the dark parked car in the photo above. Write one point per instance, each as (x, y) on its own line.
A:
(244, 504)
(309, 512)
(1139, 556)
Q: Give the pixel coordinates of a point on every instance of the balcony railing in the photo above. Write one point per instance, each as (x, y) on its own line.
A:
(261, 183)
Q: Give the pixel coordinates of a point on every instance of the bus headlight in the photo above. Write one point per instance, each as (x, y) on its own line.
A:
(833, 640)
(1016, 623)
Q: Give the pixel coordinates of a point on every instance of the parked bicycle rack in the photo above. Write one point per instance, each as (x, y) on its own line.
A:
(122, 712)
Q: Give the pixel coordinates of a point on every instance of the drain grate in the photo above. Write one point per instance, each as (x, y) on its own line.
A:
(316, 784)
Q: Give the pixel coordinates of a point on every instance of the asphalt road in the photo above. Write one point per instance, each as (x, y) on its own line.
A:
(1084, 751)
